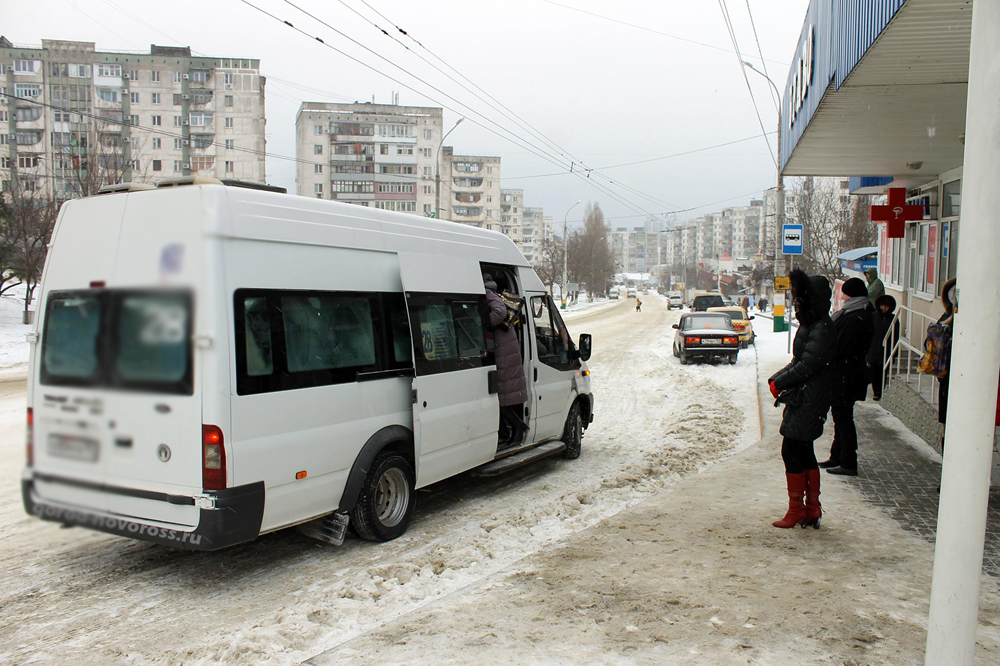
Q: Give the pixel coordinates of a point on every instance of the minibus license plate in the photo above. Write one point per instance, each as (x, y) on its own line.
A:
(76, 448)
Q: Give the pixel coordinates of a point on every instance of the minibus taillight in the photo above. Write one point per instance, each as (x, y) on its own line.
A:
(30, 437)
(213, 456)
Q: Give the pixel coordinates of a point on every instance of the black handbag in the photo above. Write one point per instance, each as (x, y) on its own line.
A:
(792, 397)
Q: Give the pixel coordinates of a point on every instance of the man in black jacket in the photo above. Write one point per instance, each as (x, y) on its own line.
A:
(884, 316)
(804, 387)
(849, 372)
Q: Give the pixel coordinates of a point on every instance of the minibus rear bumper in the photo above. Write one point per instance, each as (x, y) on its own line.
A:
(235, 518)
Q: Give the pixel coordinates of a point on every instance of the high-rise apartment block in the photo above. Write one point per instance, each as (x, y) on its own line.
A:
(377, 155)
(470, 189)
(74, 118)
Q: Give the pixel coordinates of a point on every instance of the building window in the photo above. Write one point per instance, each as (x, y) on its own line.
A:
(399, 206)
(317, 168)
(155, 98)
(202, 119)
(133, 98)
(202, 163)
(229, 78)
(229, 123)
(177, 99)
(133, 120)
(427, 209)
(318, 149)
(24, 66)
(178, 121)
(27, 161)
(177, 165)
(318, 188)
(154, 76)
(157, 121)
(489, 198)
(383, 149)
(395, 188)
(428, 133)
(427, 171)
(157, 142)
(229, 144)
(229, 166)
(178, 144)
(354, 186)
(30, 90)
(199, 75)
(404, 150)
(228, 100)
(177, 77)
(489, 169)
(133, 75)
(428, 189)
(109, 70)
(317, 129)
(426, 152)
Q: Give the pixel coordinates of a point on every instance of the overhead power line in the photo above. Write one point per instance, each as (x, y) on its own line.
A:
(763, 62)
(743, 71)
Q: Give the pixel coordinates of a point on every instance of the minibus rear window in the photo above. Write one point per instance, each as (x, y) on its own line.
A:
(106, 338)
(72, 327)
(152, 339)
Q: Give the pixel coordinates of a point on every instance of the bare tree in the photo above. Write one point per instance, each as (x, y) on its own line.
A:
(8, 247)
(590, 257)
(30, 216)
(833, 222)
(550, 260)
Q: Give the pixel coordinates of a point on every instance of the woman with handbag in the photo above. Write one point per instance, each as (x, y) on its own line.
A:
(511, 385)
(804, 387)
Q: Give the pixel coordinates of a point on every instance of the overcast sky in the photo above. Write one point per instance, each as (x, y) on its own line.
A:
(605, 93)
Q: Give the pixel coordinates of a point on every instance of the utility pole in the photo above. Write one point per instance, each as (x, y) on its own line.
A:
(562, 287)
(969, 431)
(437, 170)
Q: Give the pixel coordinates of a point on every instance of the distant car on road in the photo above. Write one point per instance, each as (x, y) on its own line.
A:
(675, 300)
(704, 300)
(741, 322)
(631, 292)
(706, 335)
(613, 294)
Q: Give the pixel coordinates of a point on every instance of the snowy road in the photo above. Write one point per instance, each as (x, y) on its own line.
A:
(99, 599)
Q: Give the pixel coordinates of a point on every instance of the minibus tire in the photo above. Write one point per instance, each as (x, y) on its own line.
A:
(573, 433)
(383, 514)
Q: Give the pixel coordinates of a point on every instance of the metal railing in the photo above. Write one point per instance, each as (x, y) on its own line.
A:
(904, 345)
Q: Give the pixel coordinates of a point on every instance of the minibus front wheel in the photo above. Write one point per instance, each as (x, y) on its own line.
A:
(385, 505)
(573, 434)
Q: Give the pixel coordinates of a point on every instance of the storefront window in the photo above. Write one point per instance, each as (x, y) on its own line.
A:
(951, 199)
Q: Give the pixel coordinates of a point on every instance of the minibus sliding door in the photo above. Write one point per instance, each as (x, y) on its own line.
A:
(455, 417)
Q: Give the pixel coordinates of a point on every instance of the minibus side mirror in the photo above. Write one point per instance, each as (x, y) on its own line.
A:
(586, 345)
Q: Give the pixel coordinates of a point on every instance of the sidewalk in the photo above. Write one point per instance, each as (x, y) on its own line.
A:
(697, 575)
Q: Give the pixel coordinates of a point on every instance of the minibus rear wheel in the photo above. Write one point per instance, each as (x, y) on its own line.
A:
(573, 434)
(385, 504)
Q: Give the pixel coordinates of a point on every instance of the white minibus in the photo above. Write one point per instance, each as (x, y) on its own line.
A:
(212, 361)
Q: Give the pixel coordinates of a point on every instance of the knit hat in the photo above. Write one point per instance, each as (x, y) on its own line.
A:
(854, 287)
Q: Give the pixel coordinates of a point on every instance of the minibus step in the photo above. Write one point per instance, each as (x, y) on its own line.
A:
(329, 529)
(513, 462)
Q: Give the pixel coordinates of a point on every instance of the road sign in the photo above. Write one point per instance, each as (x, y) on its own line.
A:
(782, 283)
(791, 238)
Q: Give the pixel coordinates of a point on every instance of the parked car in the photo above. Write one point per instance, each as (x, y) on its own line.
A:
(741, 322)
(706, 335)
(675, 300)
(704, 300)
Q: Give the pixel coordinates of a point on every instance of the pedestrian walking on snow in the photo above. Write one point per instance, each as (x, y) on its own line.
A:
(855, 325)
(638, 305)
(804, 387)
(746, 304)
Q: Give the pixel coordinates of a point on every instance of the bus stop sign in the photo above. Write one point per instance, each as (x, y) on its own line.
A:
(791, 238)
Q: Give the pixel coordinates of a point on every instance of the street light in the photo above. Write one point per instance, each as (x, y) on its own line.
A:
(779, 194)
(437, 171)
(565, 237)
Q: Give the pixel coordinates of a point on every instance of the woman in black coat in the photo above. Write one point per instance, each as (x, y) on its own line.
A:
(805, 388)
(885, 308)
(849, 374)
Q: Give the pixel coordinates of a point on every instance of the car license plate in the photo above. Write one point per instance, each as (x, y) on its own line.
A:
(75, 448)
(710, 341)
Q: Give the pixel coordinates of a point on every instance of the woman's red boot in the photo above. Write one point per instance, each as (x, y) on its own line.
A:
(796, 508)
(814, 511)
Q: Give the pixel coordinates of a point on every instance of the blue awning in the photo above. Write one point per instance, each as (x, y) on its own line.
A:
(856, 254)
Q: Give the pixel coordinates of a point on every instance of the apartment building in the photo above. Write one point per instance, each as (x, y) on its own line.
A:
(470, 190)
(84, 118)
(534, 232)
(378, 155)
(512, 215)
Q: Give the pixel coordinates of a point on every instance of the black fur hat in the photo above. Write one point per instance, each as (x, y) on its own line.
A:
(813, 295)
(855, 287)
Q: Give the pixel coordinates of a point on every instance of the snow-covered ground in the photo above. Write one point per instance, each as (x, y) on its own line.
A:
(283, 598)
(13, 346)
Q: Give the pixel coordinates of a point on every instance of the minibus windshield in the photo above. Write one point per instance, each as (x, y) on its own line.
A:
(118, 339)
